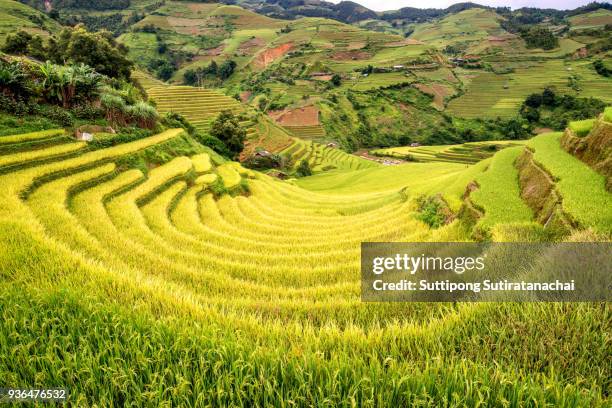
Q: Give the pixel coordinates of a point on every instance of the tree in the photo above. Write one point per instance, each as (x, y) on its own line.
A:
(97, 50)
(227, 69)
(601, 68)
(36, 48)
(336, 80)
(549, 98)
(539, 37)
(304, 169)
(17, 43)
(165, 71)
(69, 84)
(227, 129)
(534, 100)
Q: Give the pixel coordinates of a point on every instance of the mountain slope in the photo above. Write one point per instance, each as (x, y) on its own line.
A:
(15, 16)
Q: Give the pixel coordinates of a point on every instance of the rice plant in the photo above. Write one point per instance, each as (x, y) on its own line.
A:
(152, 290)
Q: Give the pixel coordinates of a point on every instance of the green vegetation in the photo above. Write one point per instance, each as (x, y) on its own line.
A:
(227, 129)
(492, 95)
(498, 192)
(539, 37)
(551, 110)
(582, 127)
(146, 268)
(76, 46)
(582, 189)
(468, 153)
(15, 16)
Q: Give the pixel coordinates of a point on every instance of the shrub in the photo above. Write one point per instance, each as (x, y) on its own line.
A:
(176, 120)
(601, 68)
(14, 80)
(17, 107)
(115, 109)
(87, 111)
(433, 211)
(262, 162)
(214, 143)
(303, 169)
(56, 114)
(143, 114)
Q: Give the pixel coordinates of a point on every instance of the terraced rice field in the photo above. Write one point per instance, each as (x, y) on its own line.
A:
(467, 26)
(375, 81)
(146, 80)
(491, 95)
(498, 193)
(582, 189)
(200, 106)
(468, 153)
(306, 132)
(157, 290)
(594, 19)
(321, 157)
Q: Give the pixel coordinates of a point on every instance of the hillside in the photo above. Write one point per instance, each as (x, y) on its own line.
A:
(185, 198)
(198, 257)
(15, 16)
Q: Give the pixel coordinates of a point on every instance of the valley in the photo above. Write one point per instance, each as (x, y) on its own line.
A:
(184, 197)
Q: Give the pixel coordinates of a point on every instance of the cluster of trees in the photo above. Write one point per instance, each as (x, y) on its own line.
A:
(80, 4)
(65, 92)
(548, 109)
(213, 71)
(226, 135)
(116, 23)
(75, 46)
(539, 37)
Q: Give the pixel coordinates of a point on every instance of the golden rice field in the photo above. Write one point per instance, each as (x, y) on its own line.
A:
(469, 153)
(155, 289)
(199, 105)
(323, 158)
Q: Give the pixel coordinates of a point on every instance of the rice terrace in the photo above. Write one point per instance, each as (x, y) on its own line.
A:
(185, 189)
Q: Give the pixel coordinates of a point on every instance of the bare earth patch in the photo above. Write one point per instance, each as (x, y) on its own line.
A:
(305, 116)
(351, 55)
(245, 96)
(266, 57)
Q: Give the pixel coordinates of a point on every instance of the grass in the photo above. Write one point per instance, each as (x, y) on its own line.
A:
(582, 127)
(498, 194)
(608, 114)
(253, 299)
(582, 189)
